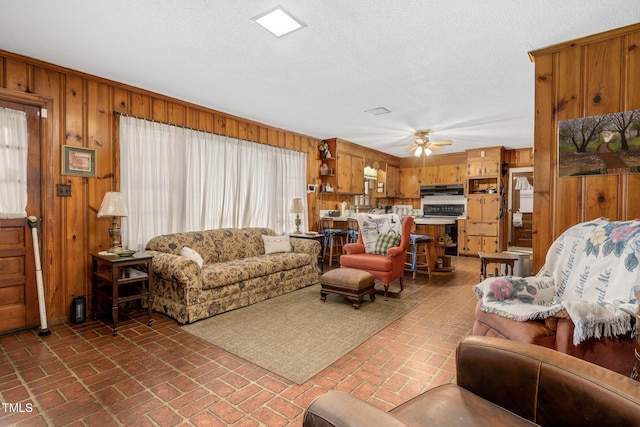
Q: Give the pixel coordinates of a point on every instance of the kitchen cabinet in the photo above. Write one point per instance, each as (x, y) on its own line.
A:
(484, 162)
(409, 183)
(392, 184)
(484, 227)
(476, 244)
(349, 173)
(443, 174)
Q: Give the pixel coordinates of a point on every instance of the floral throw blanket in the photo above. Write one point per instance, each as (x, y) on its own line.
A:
(592, 271)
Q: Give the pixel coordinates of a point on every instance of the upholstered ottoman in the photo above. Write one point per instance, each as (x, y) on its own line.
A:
(354, 284)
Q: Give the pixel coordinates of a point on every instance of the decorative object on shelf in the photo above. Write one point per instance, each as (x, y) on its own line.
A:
(113, 205)
(78, 161)
(297, 208)
(324, 169)
(324, 150)
(445, 239)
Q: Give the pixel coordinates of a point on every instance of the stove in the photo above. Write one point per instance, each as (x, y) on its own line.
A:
(443, 210)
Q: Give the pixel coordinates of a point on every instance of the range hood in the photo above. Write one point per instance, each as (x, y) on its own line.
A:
(442, 190)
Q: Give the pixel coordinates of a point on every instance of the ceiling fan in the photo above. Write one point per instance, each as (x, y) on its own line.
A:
(423, 146)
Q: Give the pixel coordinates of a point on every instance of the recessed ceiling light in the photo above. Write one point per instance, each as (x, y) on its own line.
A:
(378, 111)
(278, 21)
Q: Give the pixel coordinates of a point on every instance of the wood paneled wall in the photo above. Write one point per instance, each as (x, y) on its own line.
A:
(595, 75)
(81, 111)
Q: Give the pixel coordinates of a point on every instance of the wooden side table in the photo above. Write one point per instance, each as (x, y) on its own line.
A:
(120, 279)
(487, 258)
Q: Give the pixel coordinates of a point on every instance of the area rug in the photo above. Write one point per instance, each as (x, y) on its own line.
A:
(296, 335)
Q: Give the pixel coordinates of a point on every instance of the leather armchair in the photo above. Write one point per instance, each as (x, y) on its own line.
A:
(500, 383)
(385, 268)
(556, 332)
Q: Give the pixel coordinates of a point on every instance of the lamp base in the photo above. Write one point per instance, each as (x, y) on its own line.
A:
(298, 222)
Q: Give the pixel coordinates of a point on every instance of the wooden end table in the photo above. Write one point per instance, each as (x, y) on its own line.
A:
(120, 279)
(487, 258)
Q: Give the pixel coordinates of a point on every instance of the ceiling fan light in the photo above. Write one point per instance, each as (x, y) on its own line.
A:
(418, 152)
(427, 151)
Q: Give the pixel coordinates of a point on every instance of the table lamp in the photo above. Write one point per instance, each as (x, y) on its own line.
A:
(297, 208)
(113, 205)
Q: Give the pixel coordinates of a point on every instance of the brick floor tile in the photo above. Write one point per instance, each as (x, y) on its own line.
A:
(269, 418)
(165, 416)
(207, 419)
(198, 405)
(285, 408)
(226, 412)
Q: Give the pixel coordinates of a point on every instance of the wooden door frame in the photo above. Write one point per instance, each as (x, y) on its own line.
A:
(47, 204)
(513, 171)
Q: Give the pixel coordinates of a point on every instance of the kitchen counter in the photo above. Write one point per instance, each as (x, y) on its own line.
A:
(418, 220)
(435, 221)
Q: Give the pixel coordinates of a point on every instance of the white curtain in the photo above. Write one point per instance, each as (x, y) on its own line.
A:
(176, 179)
(14, 147)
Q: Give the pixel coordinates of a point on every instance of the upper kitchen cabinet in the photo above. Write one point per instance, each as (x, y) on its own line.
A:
(349, 173)
(410, 183)
(485, 162)
(393, 185)
(344, 170)
(444, 174)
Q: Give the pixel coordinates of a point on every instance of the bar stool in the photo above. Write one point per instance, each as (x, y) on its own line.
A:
(352, 230)
(414, 253)
(333, 239)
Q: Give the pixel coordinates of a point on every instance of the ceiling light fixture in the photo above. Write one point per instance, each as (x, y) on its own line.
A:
(278, 21)
(378, 111)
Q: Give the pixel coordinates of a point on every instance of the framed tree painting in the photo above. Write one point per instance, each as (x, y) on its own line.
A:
(606, 144)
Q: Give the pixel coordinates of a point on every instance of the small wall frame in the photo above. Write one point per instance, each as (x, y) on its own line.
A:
(78, 161)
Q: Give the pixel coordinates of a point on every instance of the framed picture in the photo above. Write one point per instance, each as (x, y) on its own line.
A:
(599, 145)
(78, 161)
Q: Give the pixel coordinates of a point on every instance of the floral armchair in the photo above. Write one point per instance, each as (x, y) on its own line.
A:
(583, 300)
(380, 249)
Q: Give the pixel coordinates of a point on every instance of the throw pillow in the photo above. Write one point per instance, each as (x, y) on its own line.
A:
(372, 225)
(274, 244)
(384, 242)
(187, 252)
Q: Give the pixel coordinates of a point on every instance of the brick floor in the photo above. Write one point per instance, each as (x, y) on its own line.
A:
(80, 375)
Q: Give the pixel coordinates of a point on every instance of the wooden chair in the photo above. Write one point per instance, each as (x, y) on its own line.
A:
(418, 248)
(352, 230)
(333, 239)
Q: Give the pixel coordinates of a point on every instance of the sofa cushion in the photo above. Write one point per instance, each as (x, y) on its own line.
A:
(235, 271)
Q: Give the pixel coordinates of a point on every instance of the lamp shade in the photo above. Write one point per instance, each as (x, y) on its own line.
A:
(296, 205)
(112, 205)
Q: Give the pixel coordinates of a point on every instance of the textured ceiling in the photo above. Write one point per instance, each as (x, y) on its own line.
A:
(459, 67)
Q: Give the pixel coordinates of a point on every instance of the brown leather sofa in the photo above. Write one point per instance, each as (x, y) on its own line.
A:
(500, 383)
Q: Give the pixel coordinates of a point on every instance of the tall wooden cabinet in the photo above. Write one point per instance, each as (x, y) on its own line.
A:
(483, 228)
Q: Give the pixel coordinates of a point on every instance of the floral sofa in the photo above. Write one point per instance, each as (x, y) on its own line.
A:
(582, 302)
(235, 271)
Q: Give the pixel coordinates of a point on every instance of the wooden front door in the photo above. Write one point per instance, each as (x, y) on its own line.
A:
(18, 292)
